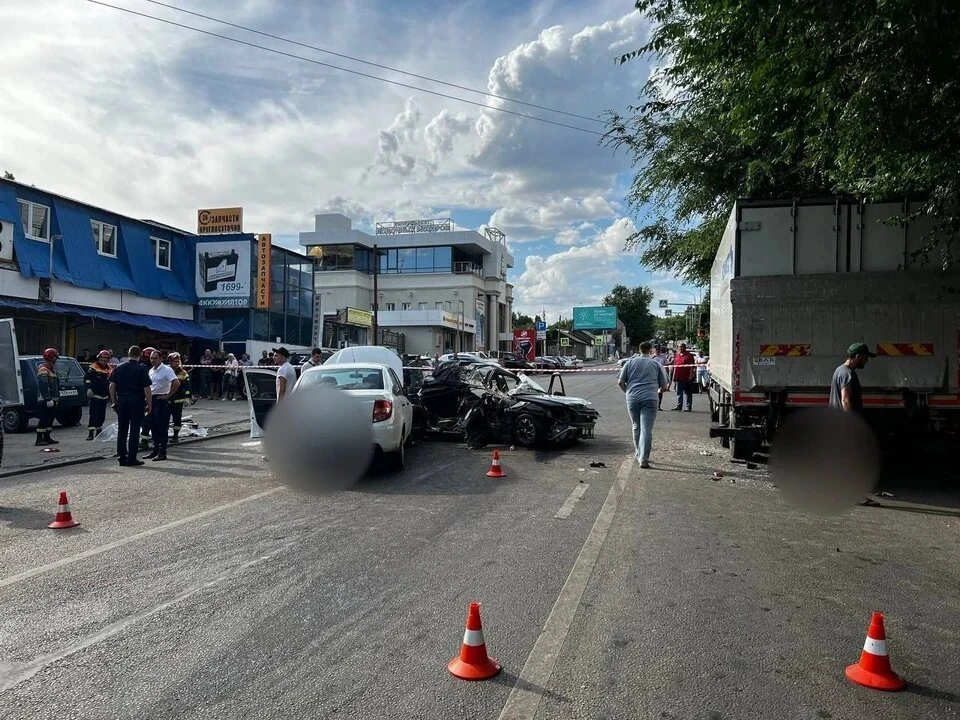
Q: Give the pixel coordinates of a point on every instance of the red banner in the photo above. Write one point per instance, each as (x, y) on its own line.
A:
(525, 344)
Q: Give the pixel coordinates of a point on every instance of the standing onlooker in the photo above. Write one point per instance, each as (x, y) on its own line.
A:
(230, 374)
(179, 398)
(113, 359)
(684, 371)
(265, 360)
(315, 360)
(219, 360)
(130, 395)
(660, 358)
(97, 380)
(845, 391)
(245, 362)
(48, 392)
(641, 378)
(703, 372)
(206, 374)
(286, 375)
(163, 385)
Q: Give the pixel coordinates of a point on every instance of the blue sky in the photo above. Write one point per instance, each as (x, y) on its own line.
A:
(156, 121)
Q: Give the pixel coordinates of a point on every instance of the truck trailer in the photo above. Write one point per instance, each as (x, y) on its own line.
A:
(795, 283)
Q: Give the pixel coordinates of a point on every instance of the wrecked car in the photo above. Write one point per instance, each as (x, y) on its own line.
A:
(487, 404)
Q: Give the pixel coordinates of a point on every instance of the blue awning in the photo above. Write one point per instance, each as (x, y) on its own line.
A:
(168, 326)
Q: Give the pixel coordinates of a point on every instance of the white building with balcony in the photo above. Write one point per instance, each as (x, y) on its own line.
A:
(444, 288)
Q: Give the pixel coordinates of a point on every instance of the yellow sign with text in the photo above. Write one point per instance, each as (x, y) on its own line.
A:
(264, 244)
(362, 318)
(219, 221)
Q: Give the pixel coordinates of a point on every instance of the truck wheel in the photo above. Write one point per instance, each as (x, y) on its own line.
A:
(14, 420)
(71, 417)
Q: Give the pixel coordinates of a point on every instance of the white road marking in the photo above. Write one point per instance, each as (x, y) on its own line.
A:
(567, 507)
(27, 574)
(525, 697)
(254, 443)
(13, 676)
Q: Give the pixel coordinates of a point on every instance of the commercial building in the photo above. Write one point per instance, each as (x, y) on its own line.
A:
(252, 294)
(439, 287)
(75, 276)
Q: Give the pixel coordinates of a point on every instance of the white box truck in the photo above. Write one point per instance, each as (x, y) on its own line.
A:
(794, 284)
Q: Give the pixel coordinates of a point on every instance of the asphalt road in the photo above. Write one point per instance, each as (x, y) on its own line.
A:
(208, 589)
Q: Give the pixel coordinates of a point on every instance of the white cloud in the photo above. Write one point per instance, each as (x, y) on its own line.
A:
(527, 221)
(561, 280)
(441, 132)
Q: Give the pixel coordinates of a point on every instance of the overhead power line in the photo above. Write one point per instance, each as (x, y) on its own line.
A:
(343, 69)
(374, 64)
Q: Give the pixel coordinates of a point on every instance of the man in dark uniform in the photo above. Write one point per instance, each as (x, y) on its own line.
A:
(48, 391)
(130, 393)
(97, 380)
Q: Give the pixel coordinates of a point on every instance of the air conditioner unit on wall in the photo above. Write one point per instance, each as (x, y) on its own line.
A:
(6, 240)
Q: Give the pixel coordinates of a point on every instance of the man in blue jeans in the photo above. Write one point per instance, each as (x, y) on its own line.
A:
(642, 379)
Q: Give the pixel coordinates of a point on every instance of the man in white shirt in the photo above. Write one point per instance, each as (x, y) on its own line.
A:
(315, 360)
(163, 385)
(286, 375)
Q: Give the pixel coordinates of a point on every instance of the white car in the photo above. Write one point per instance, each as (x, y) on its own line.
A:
(378, 387)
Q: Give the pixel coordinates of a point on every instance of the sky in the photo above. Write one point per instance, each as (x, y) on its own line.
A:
(156, 121)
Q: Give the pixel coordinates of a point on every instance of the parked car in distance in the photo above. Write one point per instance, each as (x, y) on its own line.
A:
(73, 394)
(512, 362)
(379, 387)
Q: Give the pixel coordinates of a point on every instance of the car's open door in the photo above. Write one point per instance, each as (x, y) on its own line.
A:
(261, 387)
(11, 384)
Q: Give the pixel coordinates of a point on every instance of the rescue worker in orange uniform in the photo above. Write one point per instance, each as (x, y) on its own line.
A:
(181, 397)
(97, 380)
(48, 396)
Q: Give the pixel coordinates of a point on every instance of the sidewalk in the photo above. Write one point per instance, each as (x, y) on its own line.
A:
(20, 453)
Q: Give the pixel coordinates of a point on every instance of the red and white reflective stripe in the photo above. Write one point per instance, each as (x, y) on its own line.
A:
(750, 398)
(874, 646)
(63, 509)
(473, 638)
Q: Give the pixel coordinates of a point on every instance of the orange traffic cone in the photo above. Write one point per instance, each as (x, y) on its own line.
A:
(496, 471)
(873, 670)
(473, 663)
(64, 518)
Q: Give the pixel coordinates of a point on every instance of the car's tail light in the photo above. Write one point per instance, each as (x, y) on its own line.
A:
(382, 410)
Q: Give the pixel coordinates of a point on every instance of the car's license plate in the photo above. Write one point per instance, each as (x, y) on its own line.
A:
(66, 393)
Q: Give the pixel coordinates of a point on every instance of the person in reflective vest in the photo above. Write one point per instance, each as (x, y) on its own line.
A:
(97, 380)
(181, 397)
(48, 396)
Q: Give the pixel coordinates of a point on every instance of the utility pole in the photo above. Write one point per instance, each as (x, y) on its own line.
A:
(376, 296)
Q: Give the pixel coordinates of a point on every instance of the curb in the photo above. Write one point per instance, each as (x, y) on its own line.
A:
(95, 458)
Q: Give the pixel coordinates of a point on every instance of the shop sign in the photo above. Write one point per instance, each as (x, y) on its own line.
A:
(363, 318)
(223, 273)
(264, 245)
(525, 344)
(219, 221)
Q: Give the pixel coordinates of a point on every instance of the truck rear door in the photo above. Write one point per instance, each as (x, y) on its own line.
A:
(11, 385)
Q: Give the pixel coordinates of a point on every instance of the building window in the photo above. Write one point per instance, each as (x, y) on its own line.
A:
(35, 219)
(161, 252)
(423, 306)
(105, 238)
(439, 306)
(406, 306)
(391, 307)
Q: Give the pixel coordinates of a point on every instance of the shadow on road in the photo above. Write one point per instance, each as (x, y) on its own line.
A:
(929, 692)
(510, 680)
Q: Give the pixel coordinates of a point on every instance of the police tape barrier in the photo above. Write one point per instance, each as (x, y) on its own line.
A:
(430, 369)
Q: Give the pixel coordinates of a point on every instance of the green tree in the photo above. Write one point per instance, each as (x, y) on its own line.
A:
(760, 98)
(633, 309)
(522, 322)
(671, 328)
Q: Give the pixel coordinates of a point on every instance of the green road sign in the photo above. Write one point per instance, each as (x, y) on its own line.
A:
(598, 341)
(595, 318)
(564, 342)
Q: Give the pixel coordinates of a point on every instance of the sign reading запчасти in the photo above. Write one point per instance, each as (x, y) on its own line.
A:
(218, 221)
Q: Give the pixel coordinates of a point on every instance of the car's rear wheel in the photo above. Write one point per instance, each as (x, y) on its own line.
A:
(526, 431)
(396, 460)
(14, 420)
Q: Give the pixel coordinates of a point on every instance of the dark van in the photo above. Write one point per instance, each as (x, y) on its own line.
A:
(73, 394)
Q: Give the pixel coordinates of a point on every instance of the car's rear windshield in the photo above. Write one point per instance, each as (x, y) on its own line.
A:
(356, 378)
